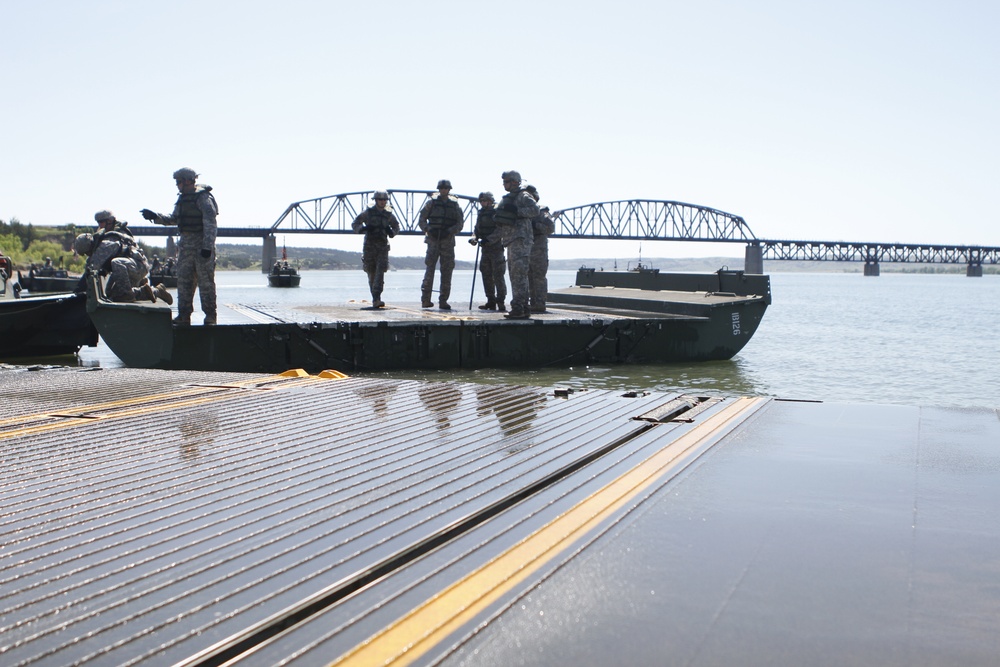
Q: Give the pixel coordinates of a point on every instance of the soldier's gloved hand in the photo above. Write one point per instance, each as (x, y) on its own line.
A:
(473, 241)
(390, 233)
(149, 215)
(206, 253)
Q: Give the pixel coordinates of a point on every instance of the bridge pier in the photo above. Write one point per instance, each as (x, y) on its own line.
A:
(753, 259)
(871, 267)
(974, 270)
(268, 254)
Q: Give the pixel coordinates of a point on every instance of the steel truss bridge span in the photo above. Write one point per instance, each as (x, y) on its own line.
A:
(845, 251)
(634, 219)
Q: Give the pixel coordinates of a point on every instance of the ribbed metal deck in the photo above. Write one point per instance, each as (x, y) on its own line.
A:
(176, 518)
(149, 516)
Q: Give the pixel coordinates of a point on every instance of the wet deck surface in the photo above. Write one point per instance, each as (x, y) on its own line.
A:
(153, 517)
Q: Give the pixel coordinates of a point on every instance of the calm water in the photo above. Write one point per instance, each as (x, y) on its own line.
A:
(905, 339)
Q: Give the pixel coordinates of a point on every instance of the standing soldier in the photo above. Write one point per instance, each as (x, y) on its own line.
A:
(492, 265)
(194, 214)
(516, 211)
(440, 220)
(378, 224)
(538, 266)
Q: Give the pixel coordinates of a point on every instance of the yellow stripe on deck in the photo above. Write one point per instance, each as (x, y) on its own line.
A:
(415, 634)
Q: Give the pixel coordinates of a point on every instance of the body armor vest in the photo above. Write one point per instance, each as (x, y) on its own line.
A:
(443, 215)
(486, 222)
(503, 216)
(187, 213)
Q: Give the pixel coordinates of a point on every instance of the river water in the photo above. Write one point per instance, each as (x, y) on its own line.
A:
(911, 339)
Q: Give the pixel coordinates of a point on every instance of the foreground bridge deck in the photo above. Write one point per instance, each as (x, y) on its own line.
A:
(186, 518)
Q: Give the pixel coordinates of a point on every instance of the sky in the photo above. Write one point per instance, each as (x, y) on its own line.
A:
(869, 120)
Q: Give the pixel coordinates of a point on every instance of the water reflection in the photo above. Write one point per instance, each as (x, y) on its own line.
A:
(197, 429)
(441, 399)
(378, 395)
(516, 409)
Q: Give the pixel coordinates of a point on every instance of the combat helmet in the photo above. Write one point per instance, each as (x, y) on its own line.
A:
(185, 173)
(512, 175)
(101, 216)
(83, 244)
(444, 183)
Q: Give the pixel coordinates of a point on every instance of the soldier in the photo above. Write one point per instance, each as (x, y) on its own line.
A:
(440, 220)
(516, 211)
(118, 254)
(378, 224)
(107, 222)
(538, 266)
(195, 216)
(492, 265)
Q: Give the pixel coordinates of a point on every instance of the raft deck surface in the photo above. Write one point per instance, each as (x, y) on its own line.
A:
(153, 517)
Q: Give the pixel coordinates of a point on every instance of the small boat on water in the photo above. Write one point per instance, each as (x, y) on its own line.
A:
(282, 274)
(163, 273)
(39, 325)
(47, 279)
(606, 317)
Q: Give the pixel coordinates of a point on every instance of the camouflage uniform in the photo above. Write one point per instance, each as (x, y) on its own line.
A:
(378, 226)
(117, 254)
(440, 220)
(195, 214)
(514, 215)
(538, 266)
(492, 265)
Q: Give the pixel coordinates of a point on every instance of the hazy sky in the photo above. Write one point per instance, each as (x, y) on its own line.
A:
(864, 120)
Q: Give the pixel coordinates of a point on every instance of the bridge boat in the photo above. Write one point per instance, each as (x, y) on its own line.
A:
(161, 276)
(283, 276)
(606, 317)
(43, 324)
(48, 279)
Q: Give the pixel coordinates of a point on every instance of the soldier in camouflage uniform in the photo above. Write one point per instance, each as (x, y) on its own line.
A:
(107, 222)
(492, 266)
(116, 254)
(378, 224)
(194, 214)
(514, 215)
(538, 266)
(440, 220)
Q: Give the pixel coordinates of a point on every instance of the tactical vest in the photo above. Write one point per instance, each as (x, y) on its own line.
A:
(443, 215)
(186, 211)
(503, 216)
(486, 222)
(380, 220)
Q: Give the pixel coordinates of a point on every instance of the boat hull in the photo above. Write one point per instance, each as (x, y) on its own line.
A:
(284, 279)
(45, 325)
(701, 328)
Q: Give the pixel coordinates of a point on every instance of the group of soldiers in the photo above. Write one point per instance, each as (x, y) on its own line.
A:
(112, 251)
(517, 225)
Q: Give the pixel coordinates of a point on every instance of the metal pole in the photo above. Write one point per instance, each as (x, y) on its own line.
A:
(475, 267)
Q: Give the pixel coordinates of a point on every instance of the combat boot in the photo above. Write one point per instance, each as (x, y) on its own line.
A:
(489, 305)
(161, 293)
(444, 305)
(501, 307)
(537, 309)
(517, 314)
(377, 301)
(210, 320)
(147, 293)
(425, 302)
(182, 321)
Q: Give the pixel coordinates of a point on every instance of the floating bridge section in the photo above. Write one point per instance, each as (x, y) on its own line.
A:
(632, 219)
